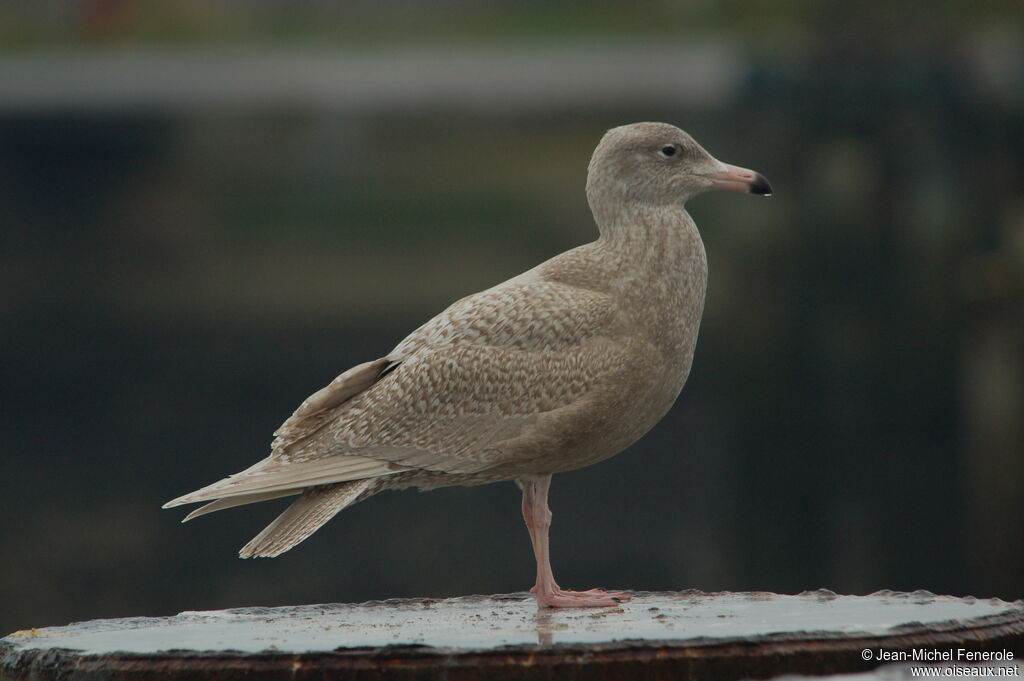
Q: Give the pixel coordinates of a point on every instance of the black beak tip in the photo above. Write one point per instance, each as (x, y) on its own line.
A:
(760, 185)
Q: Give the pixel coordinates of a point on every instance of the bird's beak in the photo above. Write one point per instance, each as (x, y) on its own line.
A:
(737, 179)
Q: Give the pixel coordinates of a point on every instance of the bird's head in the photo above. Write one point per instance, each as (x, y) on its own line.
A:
(659, 164)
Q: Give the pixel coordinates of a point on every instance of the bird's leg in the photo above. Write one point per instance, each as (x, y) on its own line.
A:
(538, 521)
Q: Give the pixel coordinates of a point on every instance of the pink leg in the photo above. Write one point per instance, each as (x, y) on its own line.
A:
(538, 521)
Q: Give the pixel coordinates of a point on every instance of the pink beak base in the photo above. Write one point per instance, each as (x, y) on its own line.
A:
(736, 179)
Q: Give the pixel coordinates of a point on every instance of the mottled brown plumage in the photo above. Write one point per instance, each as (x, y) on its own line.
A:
(558, 368)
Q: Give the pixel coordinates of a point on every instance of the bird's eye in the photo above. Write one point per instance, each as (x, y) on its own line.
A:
(669, 150)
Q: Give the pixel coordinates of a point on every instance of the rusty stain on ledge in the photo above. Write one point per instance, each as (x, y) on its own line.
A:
(655, 635)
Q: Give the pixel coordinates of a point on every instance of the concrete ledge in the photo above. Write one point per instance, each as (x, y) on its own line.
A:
(688, 634)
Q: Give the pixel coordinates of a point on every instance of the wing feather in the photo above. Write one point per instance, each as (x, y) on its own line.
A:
(276, 475)
(231, 502)
(317, 409)
(482, 373)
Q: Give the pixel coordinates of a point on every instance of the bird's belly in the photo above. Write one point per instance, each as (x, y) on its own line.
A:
(629, 416)
(617, 420)
(625, 427)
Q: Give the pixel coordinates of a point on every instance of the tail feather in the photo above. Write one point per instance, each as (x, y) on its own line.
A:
(305, 516)
(231, 502)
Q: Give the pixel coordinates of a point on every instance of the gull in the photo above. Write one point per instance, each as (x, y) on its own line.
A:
(560, 367)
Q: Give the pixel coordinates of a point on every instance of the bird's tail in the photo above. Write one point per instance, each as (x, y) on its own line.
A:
(315, 507)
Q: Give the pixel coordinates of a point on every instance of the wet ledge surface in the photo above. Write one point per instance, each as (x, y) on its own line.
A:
(729, 635)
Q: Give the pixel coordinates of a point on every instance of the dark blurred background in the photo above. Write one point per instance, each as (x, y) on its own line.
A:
(210, 209)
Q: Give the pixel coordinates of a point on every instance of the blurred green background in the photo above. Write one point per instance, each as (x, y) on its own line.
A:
(210, 209)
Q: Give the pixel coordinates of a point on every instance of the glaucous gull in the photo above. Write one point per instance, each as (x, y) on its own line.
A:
(560, 367)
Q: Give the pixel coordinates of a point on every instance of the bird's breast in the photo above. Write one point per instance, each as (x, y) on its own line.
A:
(660, 323)
(665, 302)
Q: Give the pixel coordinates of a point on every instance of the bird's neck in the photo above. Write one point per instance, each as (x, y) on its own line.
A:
(661, 279)
(658, 239)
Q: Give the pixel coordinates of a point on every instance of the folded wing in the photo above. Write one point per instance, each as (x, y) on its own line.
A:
(482, 373)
